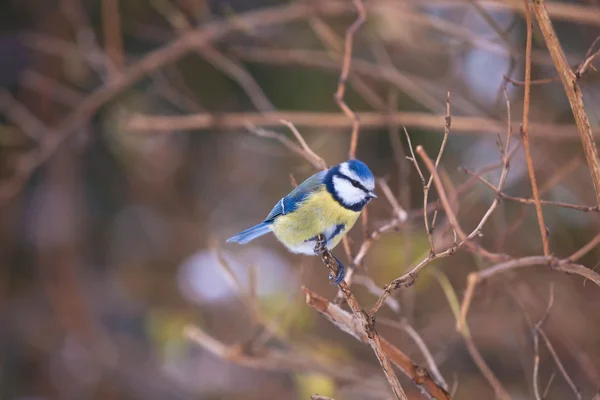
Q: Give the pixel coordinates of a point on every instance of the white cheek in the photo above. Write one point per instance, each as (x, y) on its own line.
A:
(348, 193)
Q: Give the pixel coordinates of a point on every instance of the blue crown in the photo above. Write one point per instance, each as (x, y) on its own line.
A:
(360, 169)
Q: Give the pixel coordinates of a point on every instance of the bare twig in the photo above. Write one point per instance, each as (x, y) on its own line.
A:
(589, 58)
(113, 38)
(571, 87)
(536, 344)
(529, 201)
(239, 74)
(408, 278)
(335, 122)
(318, 162)
(21, 117)
(341, 89)
(304, 145)
(399, 212)
(153, 61)
(475, 278)
(406, 327)
(585, 249)
(353, 325)
(560, 365)
(525, 133)
(363, 320)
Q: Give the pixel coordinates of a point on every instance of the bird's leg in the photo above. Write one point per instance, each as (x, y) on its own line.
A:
(335, 266)
(320, 245)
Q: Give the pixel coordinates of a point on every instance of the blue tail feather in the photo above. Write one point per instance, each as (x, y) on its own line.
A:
(250, 233)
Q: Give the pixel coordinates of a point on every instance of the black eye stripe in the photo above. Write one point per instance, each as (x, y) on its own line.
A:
(354, 183)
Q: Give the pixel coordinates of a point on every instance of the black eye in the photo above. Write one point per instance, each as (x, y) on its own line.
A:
(355, 184)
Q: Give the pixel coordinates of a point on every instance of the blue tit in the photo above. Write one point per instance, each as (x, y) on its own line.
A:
(327, 203)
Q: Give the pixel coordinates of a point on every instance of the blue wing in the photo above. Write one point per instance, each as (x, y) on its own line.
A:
(291, 202)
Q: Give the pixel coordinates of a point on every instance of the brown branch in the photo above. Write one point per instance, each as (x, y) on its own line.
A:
(585, 249)
(475, 278)
(338, 121)
(113, 37)
(239, 74)
(525, 133)
(529, 201)
(408, 278)
(341, 89)
(364, 321)
(571, 87)
(536, 344)
(153, 61)
(353, 326)
(410, 331)
(589, 58)
(298, 149)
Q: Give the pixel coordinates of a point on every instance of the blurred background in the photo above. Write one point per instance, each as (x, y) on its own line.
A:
(113, 225)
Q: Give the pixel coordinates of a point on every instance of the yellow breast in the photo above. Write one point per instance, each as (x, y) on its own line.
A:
(319, 213)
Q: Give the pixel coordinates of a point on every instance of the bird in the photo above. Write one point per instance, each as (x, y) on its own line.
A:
(328, 203)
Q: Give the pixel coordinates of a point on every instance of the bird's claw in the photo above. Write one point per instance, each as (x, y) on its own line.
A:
(341, 273)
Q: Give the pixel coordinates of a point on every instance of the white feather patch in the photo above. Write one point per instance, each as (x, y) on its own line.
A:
(349, 194)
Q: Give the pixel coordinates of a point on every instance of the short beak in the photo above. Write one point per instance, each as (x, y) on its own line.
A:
(372, 195)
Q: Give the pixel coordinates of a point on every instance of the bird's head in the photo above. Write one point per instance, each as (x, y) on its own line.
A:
(351, 183)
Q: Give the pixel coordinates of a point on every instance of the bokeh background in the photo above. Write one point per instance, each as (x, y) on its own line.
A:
(117, 241)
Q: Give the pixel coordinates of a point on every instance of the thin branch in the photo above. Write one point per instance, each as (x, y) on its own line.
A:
(476, 278)
(529, 201)
(113, 37)
(525, 133)
(335, 122)
(367, 328)
(239, 74)
(406, 327)
(153, 61)
(347, 60)
(21, 117)
(585, 249)
(317, 163)
(304, 145)
(353, 326)
(536, 345)
(560, 366)
(571, 87)
(589, 58)
(399, 212)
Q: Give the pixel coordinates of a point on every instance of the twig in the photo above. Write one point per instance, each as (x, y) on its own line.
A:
(317, 163)
(585, 249)
(589, 58)
(571, 87)
(536, 344)
(304, 145)
(153, 61)
(399, 211)
(525, 133)
(560, 366)
(363, 320)
(475, 278)
(21, 117)
(239, 74)
(529, 201)
(550, 380)
(468, 339)
(354, 326)
(113, 39)
(336, 121)
(406, 327)
(347, 60)
(448, 122)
